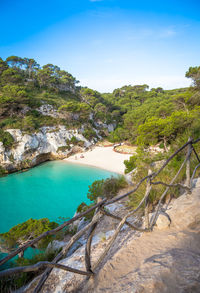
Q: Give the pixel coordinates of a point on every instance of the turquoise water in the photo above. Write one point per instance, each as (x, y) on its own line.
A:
(50, 190)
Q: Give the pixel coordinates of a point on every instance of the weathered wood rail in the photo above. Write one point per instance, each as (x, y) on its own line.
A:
(99, 213)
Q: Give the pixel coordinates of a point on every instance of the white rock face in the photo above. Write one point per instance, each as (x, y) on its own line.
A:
(30, 149)
(46, 140)
(49, 110)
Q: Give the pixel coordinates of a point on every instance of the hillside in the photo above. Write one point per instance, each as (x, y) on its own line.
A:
(44, 114)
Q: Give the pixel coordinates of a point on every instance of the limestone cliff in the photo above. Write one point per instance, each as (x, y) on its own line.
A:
(31, 149)
(47, 143)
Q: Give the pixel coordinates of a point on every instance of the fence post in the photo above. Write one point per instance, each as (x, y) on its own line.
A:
(146, 210)
(187, 183)
(89, 241)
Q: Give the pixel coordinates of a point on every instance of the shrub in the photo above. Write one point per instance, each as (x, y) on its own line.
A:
(63, 148)
(143, 162)
(106, 188)
(84, 207)
(29, 229)
(112, 185)
(2, 171)
(74, 140)
(95, 190)
(6, 138)
(89, 133)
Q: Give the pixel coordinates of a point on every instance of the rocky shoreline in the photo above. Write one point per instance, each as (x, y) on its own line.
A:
(48, 143)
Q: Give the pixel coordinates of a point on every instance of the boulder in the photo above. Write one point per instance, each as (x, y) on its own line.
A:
(163, 221)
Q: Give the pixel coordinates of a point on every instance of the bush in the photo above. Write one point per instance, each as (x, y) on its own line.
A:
(89, 133)
(84, 207)
(6, 138)
(144, 161)
(2, 171)
(28, 230)
(106, 188)
(95, 190)
(63, 148)
(130, 164)
(74, 140)
(112, 185)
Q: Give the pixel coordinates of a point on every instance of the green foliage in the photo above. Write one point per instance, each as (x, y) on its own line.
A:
(112, 185)
(28, 230)
(84, 207)
(155, 116)
(6, 138)
(118, 135)
(95, 190)
(89, 133)
(143, 158)
(2, 171)
(63, 148)
(74, 140)
(13, 94)
(130, 164)
(3, 66)
(194, 74)
(106, 187)
(143, 161)
(143, 116)
(11, 76)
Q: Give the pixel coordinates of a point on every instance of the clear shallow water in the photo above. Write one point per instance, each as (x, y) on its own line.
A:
(50, 190)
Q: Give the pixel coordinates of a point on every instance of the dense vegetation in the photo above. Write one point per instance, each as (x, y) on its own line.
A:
(28, 230)
(156, 115)
(25, 86)
(142, 116)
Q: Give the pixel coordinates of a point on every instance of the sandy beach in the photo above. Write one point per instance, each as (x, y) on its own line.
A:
(101, 157)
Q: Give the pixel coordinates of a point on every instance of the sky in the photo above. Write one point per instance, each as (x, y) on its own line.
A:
(106, 44)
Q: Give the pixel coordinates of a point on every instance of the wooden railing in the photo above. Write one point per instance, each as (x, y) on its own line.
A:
(100, 211)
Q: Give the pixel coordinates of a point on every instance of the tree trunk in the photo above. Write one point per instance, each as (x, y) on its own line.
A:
(165, 144)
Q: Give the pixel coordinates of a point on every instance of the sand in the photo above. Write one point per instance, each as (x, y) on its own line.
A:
(101, 157)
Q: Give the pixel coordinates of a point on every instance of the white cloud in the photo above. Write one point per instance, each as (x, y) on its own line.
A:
(96, 0)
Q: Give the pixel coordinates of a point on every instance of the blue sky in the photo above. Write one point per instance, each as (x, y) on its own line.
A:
(106, 43)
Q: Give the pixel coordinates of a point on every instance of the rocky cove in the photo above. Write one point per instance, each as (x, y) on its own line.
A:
(48, 143)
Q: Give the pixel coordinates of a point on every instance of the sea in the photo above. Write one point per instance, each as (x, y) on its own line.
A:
(52, 190)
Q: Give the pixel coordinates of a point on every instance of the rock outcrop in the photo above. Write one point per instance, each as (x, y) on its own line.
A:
(46, 144)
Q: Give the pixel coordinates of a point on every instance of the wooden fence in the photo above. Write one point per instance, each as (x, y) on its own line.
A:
(100, 211)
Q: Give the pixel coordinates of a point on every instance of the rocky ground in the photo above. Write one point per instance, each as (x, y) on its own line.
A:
(165, 260)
